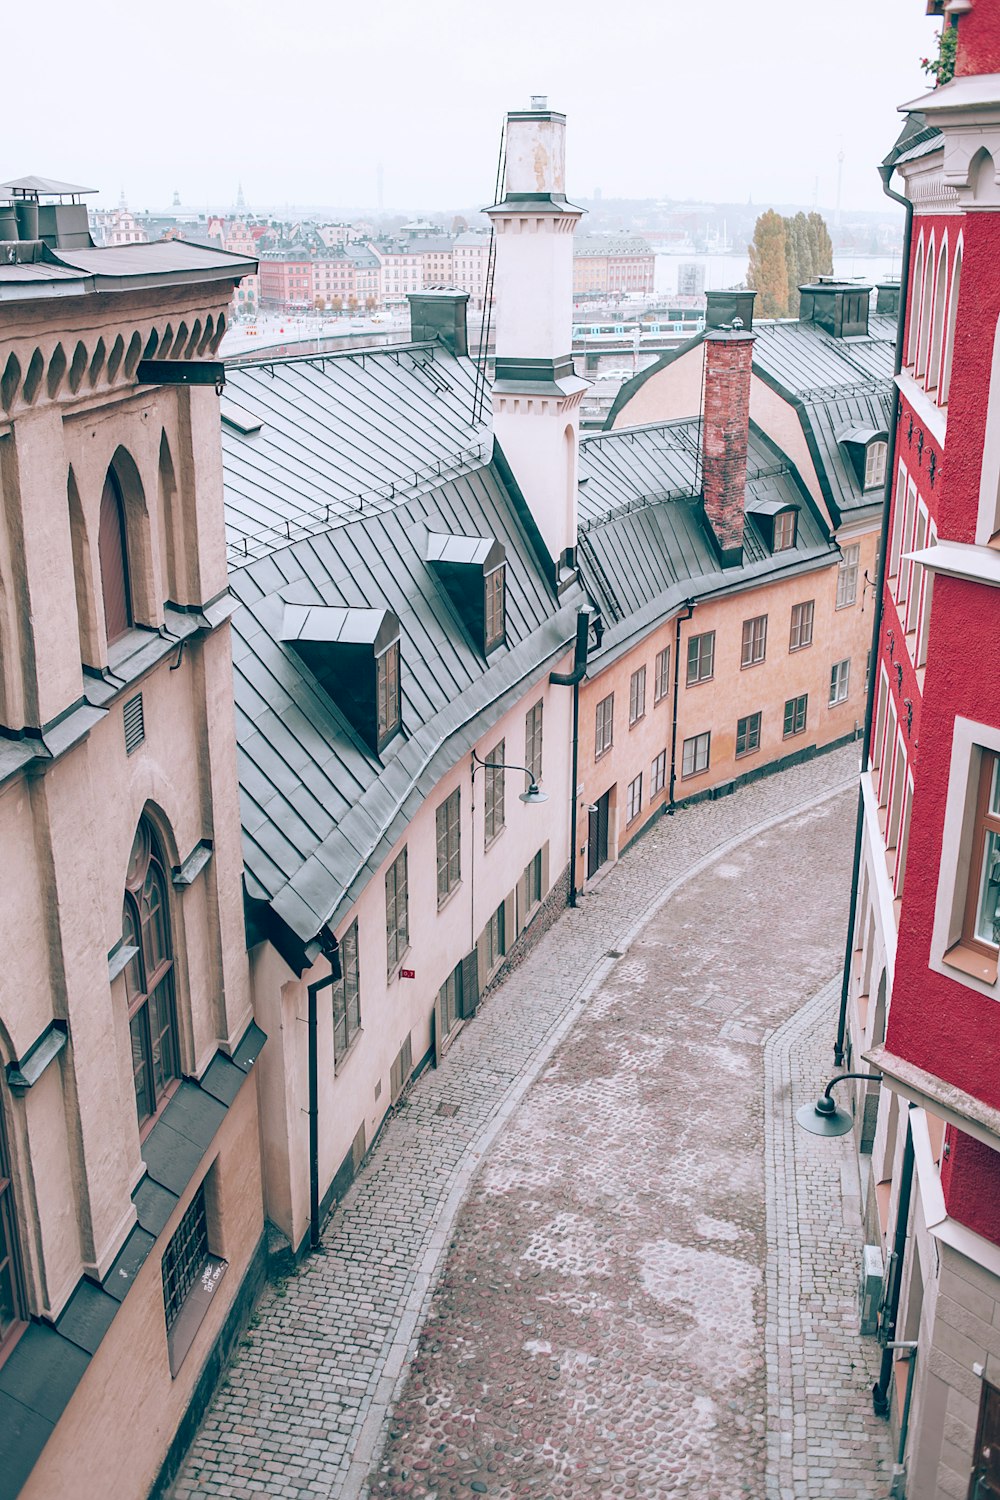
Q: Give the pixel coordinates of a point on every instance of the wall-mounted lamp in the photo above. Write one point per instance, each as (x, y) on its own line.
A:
(532, 796)
(825, 1117)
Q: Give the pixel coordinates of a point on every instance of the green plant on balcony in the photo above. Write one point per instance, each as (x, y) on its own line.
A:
(942, 67)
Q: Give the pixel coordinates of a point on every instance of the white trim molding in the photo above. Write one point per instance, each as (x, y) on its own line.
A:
(933, 417)
(972, 562)
(968, 742)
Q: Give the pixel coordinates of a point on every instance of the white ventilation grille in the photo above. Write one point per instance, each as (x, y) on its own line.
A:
(135, 727)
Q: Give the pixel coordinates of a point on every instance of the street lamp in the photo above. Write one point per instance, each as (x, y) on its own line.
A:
(825, 1117)
(532, 796)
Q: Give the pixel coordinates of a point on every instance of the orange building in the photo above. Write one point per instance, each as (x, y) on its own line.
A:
(730, 551)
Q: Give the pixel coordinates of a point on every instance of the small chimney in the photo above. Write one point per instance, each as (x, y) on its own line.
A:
(723, 306)
(888, 298)
(440, 313)
(725, 436)
(838, 307)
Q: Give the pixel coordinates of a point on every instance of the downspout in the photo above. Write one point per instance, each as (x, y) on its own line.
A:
(881, 1399)
(331, 950)
(573, 680)
(689, 611)
(885, 172)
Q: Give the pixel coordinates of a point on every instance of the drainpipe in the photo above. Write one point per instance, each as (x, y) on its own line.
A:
(881, 1399)
(688, 612)
(573, 680)
(885, 172)
(331, 950)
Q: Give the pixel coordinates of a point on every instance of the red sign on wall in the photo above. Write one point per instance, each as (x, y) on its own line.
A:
(407, 973)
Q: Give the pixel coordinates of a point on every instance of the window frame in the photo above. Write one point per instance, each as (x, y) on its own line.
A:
(875, 462)
(633, 800)
(494, 607)
(782, 520)
(753, 649)
(150, 986)
(805, 621)
(448, 831)
(11, 1252)
(637, 696)
(696, 655)
(658, 775)
(494, 806)
(790, 723)
(604, 726)
(750, 731)
(533, 876)
(496, 938)
(397, 911)
(661, 676)
(695, 740)
(840, 682)
(116, 560)
(387, 694)
(848, 570)
(346, 995)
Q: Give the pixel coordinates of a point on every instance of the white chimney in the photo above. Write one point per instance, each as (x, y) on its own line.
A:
(536, 395)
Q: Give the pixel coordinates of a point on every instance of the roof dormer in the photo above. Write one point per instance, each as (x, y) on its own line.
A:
(777, 521)
(473, 571)
(866, 448)
(354, 656)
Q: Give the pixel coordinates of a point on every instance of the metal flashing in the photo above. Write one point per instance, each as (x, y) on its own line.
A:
(24, 1073)
(187, 872)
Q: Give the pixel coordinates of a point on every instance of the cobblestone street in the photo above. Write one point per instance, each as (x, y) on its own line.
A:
(607, 1266)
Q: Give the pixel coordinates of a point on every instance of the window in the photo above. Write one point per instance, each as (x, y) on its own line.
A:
(13, 1306)
(754, 641)
(496, 945)
(796, 710)
(637, 696)
(847, 575)
(149, 975)
(634, 803)
(701, 657)
(449, 1007)
(387, 674)
(784, 530)
(449, 862)
(695, 757)
(748, 734)
(875, 465)
(658, 775)
(604, 727)
(533, 742)
(112, 551)
(661, 675)
(496, 621)
(184, 1258)
(347, 995)
(397, 915)
(494, 812)
(840, 681)
(533, 882)
(981, 928)
(802, 626)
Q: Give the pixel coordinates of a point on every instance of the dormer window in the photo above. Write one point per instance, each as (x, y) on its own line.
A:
(387, 675)
(494, 585)
(354, 656)
(473, 571)
(784, 530)
(875, 465)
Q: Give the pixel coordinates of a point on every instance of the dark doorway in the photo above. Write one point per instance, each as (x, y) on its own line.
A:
(985, 1482)
(597, 834)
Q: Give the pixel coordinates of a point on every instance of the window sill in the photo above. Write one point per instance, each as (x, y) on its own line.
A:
(444, 900)
(981, 966)
(745, 666)
(745, 754)
(488, 843)
(847, 604)
(699, 681)
(793, 734)
(633, 722)
(804, 647)
(600, 754)
(342, 1060)
(181, 1335)
(690, 775)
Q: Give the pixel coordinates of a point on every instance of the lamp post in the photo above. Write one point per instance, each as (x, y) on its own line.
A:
(532, 796)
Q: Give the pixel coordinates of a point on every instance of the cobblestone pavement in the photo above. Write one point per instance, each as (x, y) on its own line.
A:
(622, 1303)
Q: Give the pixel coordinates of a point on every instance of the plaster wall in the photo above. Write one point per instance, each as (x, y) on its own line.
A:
(534, 284)
(539, 437)
(118, 1425)
(354, 1091)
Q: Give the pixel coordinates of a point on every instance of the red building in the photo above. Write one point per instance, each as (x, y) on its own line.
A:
(921, 995)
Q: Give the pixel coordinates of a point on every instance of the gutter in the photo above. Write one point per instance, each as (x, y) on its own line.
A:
(885, 172)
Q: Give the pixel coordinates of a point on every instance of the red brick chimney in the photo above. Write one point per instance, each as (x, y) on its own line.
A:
(725, 434)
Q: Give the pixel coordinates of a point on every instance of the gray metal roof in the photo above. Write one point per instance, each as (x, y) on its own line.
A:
(341, 435)
(119, 268)
(320, 812)
(45, 185)
(644, 548)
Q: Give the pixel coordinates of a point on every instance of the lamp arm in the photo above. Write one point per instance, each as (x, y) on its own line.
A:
(869, 1077)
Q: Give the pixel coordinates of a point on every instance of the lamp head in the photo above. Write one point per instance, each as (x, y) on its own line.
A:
(534, 794)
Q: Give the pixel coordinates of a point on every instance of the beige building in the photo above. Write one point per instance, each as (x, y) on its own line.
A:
(131, 1225)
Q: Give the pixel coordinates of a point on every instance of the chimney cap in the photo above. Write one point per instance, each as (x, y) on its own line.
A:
(539, 101)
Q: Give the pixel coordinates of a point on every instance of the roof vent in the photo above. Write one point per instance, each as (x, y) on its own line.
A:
(60, 223)
(840, 308)
(134, 724)
(539, 101)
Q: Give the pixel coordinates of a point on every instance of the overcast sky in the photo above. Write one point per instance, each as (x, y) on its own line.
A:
(302, 99)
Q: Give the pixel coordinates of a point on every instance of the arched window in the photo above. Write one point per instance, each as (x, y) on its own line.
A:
(13, 1304)
(113, 552)
(937, 325)
(149, 977)
(926, 314)
(916, 286)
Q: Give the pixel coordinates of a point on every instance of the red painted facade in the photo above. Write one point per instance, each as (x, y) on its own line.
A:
(940, 662)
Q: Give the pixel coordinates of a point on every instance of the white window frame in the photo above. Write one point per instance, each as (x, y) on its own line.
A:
(875, 456)
(840, 682)
(633, 805)
(690, 765)
(848, 572)
(969, 739)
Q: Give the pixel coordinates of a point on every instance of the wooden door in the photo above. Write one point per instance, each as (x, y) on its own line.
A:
(985, 1482)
